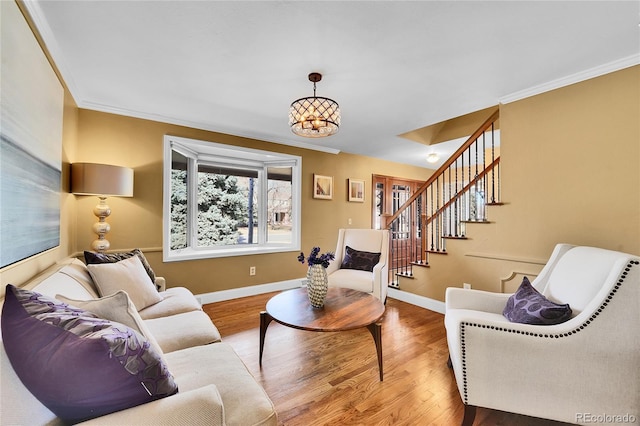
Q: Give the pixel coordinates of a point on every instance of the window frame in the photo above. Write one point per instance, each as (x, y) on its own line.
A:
(204, 152)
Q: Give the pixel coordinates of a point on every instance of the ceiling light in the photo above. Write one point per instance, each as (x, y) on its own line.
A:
(433, 157)
(314, 117)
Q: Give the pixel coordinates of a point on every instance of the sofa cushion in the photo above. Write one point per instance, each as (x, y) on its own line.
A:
(78, 365)
(352, 278)
(128, 275)
(360, 260)
(184, 330)
(528, 306)
(18, 405)
(69, 277)
(116, 307)
(94, 258)
(175, 300)
(245, 401)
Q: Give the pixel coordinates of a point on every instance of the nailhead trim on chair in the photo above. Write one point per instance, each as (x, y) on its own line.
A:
(621, 279)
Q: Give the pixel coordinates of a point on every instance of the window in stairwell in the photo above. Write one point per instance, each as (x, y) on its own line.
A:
(222, 200)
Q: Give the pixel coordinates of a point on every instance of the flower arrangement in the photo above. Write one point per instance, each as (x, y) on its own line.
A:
(315, 258)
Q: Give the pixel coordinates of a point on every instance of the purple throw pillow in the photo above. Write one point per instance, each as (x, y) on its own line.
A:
(360, 260)
(528, 306)
(78, 365)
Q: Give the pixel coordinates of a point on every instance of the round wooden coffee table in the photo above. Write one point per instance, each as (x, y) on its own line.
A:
(344, 309)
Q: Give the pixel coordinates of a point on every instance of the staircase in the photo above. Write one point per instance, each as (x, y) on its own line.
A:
(456, 194)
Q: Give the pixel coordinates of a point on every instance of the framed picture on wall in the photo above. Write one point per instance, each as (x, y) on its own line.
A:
(323, 187)
(356, 190)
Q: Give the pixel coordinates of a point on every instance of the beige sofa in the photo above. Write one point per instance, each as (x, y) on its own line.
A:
(214, 386)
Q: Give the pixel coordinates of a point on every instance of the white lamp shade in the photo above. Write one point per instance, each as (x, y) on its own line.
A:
(101, 179)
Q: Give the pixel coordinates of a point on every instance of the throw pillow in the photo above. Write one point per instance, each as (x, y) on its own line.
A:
(93, 258)
(78, 365)
(128, 275)
(360, 260)
(116, 307)
(528, 306)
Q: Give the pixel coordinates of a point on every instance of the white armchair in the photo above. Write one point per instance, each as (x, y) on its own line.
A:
(364, 240)
(579, 371)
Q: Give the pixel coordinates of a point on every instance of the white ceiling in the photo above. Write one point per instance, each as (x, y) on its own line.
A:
(393, 66)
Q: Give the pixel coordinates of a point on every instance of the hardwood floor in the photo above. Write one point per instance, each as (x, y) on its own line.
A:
(332, 378)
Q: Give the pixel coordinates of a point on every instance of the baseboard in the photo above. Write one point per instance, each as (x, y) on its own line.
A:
(236, 293)
(417, 300)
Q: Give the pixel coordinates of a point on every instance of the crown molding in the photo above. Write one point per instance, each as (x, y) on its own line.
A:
(590, 73)
(201, 126)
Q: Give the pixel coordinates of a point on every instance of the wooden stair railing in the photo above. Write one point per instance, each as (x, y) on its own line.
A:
(454, 195)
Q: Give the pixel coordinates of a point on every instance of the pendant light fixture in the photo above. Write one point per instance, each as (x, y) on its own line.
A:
(314, 117)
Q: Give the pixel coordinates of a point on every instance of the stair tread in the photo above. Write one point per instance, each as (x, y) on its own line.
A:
(437, 251)
(404, 274)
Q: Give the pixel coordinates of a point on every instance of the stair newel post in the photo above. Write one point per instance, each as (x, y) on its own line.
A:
(458, 212)
(437, 183)
(423, 247)
(476, 147)
(493, 157)
(469, 153)
(431, 216)
(450, 224)
(394, 249)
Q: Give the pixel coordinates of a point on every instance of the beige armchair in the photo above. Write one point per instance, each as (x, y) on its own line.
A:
(340, 272)
(584, 370)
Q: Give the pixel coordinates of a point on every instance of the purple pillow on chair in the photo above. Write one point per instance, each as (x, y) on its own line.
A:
(528, 306)
(360, 260)
(78, 365)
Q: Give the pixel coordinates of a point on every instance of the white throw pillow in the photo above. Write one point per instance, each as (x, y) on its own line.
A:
(116, 307)
(128, 275)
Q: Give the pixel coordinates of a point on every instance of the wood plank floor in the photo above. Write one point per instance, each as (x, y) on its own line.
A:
(332, 378)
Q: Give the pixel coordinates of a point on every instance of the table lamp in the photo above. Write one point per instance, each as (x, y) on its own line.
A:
(101, 180)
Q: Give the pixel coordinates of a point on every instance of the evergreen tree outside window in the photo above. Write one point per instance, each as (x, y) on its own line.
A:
(222, 200)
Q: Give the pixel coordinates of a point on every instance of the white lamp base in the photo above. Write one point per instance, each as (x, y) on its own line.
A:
(102, 211)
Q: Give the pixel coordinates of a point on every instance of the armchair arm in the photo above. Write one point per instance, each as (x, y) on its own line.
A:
(334, 266)
(477, 300)
(161, 284)
(380, 280)
(198, 406)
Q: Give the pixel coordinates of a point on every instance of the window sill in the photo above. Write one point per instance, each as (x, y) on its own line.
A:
(191, 254)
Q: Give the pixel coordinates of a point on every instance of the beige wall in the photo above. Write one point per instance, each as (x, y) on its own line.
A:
(570, 174)
(137, 221)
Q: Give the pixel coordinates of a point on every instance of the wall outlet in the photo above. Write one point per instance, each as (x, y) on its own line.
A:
(252, 270)
(349, 221)
(466, 286)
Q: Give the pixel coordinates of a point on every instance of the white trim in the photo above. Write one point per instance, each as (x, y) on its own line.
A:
(417, 300)
(610, 67)
(206, 152)
(236, 293)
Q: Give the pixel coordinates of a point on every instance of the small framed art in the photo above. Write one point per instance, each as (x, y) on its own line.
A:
(356, 190)
(323, 187)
